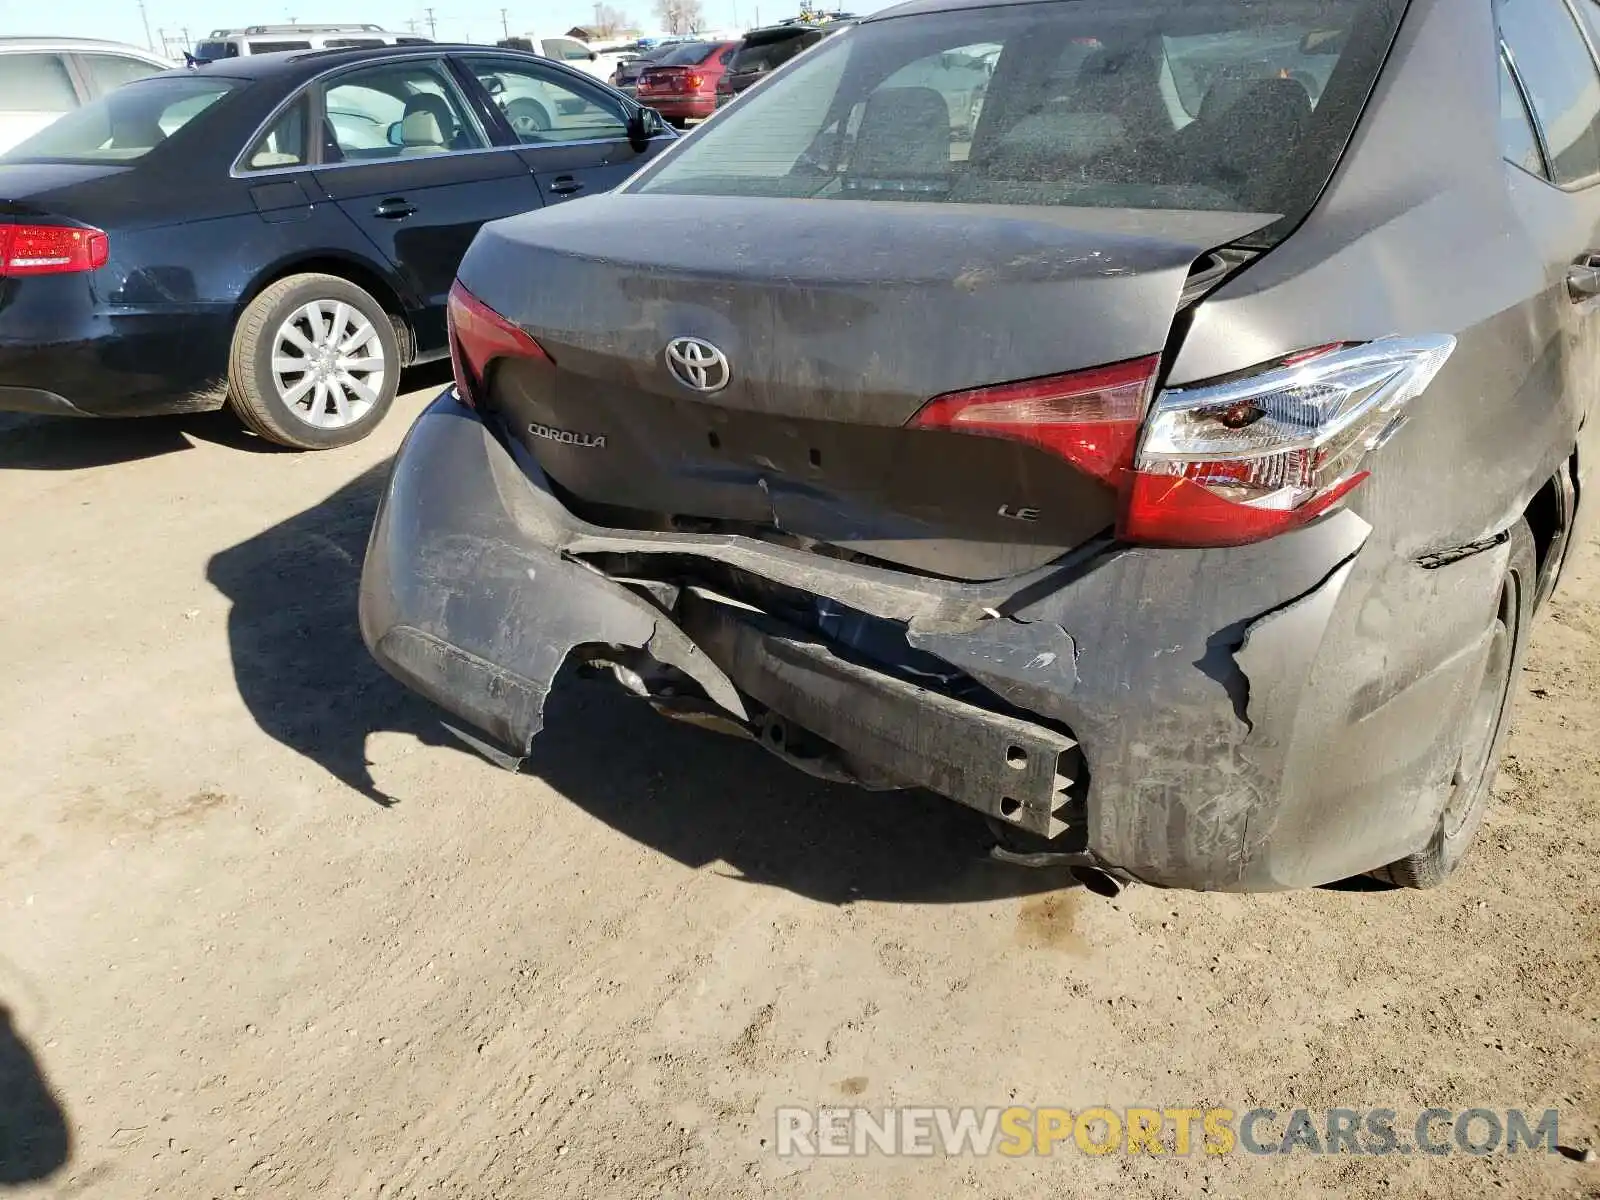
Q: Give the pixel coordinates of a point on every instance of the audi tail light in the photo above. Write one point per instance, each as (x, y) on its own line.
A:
(478, 336)
(1219, 464)
(51, 249)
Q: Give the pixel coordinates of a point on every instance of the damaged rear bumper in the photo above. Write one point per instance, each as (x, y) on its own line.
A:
(1148, 704)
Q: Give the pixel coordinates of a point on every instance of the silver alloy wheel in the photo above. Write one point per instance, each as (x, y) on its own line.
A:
(328, 364)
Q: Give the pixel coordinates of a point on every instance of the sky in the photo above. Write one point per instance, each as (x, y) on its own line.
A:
(464, 20)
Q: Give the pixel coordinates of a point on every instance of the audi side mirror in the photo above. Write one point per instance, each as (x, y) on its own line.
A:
(645, 124)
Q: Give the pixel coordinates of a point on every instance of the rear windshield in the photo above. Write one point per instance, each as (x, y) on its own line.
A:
(770, 54)
(1235, 105)
(690, 54)
(126, 124)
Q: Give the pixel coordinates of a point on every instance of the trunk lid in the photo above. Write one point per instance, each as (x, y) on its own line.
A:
(38, 188)
(838, 320)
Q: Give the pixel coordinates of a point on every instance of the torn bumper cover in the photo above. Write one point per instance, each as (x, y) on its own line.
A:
(1127, 690)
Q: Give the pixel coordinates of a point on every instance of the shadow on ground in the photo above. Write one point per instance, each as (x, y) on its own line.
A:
(34, 1142)
(39, 443)
(35, 443)
(698, 797)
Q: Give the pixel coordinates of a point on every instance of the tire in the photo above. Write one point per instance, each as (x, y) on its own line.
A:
(527, 117)
(334, 401)
(1484, 728)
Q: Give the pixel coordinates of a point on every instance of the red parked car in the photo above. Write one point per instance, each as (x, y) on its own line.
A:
(683, 86)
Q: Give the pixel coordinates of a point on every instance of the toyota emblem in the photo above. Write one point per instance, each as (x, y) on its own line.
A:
(697, 364)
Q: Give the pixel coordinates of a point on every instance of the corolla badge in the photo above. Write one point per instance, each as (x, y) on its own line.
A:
(697, 364)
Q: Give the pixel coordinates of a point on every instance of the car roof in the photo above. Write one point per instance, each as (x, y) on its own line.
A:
(290, 64)
(919, 7)
(12, 44)
(777, 33)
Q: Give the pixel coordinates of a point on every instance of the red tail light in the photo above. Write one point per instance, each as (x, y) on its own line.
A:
(51, 249)
(695, 82)
(1089, 418)
(478, 336)
(1219, 464)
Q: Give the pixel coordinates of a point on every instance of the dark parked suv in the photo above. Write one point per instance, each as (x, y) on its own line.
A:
(765, 50)
(1169, 467)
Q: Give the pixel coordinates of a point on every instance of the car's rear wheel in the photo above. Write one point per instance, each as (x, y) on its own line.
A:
(1484, 727)
(315, 363)
(527, 117)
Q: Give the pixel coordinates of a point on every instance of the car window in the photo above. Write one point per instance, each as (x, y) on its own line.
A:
(397, 110)
(351, 43)
(960, 76)
(1239, 57)
(129, 122)
(273, 47)
(689, 54)
(212, 51)
(1066, 102)
(36, 83)
(285, 143)
(766, 55)
(544, 107)
(566, 49)
(108, 72)
(1553, 61)
(1518, 141)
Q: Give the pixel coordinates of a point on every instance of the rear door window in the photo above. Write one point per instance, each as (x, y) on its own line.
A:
(108, 72)
(1554, 63)
(1232, 105)
(285, 143)
(36, 83)
(567, 50)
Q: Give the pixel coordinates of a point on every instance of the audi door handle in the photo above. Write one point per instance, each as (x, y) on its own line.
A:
(565, 185)
(395, 208)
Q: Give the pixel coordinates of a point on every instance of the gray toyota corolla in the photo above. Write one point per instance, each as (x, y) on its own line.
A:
(1152, 424)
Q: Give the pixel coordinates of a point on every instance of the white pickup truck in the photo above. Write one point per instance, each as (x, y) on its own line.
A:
(580, 55)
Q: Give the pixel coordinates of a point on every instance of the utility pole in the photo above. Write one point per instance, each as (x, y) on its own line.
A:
(411, 24)
(145, 17)
(505, 25)
(433, 25)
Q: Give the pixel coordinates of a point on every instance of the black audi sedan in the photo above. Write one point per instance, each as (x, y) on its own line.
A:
(279, 233)
(1168, 462)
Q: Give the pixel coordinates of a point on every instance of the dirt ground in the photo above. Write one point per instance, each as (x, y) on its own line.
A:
(266, 930)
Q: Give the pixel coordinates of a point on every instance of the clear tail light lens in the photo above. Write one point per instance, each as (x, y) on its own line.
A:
(1220, 464)
(478, 336)
(1251, 457)
(51, 249)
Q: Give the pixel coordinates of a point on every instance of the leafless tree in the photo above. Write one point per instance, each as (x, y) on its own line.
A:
(680, 16)
(610, 21)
